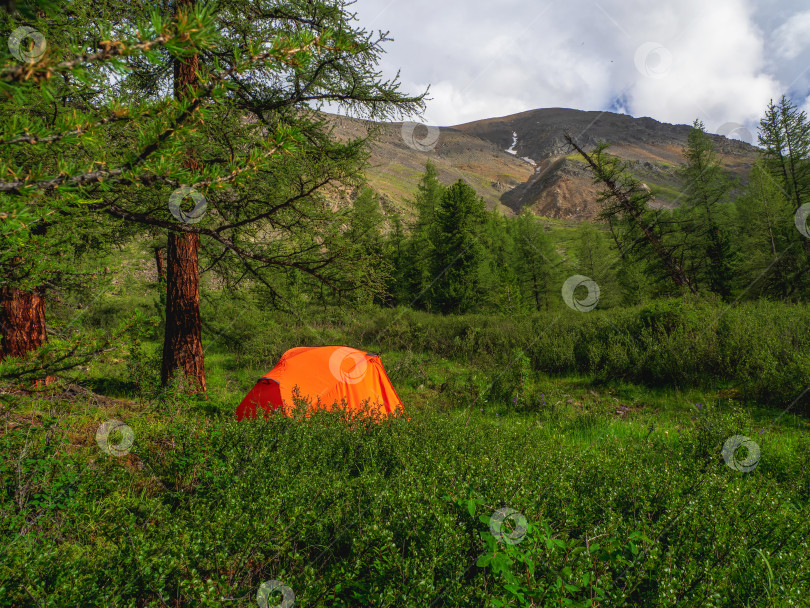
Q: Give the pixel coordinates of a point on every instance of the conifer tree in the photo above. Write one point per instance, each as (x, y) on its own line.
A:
(395, 246)
(643, 234)
(784, 135)
(770, 254)
(500, 279)
(703, 222)
(365, 233)
(421, 245)
(535, 261)
(458, 251)
(596, 260)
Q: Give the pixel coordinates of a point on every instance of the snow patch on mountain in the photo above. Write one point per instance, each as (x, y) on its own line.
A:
(513, 152)
(514, 143)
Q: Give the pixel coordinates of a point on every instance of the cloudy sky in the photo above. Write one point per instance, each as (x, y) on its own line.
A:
(673, 60)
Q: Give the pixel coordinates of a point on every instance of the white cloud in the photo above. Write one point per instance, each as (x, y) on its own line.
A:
(487, 59)
(793, 36)
(716, 72)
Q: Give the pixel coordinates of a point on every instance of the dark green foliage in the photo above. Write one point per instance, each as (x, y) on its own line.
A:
(347, 513)
(365, 236)
(597, 261)
(775, 255)
(771, 254)
(499, 275)
(415, 255)
(535, 262)
(784, 135)
(513, 399)
(459, 257)
(759, 347)
(643, 234)
(429, 194)
(743, 248)
(99, 143)
(706, 248)
(458, 251)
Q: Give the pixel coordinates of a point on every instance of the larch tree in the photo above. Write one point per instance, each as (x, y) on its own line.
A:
(262, 159)
(459, 253)
(643, 233)
(784, 138)
(500, 279)
(365, 225)
(767, 238)
(596, 260)
(417, 274)
(182, 343)
(536, 260)
(704, 214)
(43, 227)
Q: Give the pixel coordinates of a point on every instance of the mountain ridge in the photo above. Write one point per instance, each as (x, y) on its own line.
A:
(522, 161)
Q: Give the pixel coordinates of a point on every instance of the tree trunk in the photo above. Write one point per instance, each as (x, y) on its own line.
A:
(22, 317)
(536, 290)
(161, 270)
(182, 344)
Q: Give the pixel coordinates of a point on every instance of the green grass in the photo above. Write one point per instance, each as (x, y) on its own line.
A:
(667, 193)
(576, 156)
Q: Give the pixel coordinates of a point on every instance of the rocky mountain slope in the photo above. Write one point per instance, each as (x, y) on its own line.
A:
(522, 161)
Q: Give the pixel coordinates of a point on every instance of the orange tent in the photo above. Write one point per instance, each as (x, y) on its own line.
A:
(331, 373)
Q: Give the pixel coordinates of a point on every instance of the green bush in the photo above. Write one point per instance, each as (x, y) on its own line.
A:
(347, 512)
(761, 348)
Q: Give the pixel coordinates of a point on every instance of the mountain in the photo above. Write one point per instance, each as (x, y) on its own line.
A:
(522, 161)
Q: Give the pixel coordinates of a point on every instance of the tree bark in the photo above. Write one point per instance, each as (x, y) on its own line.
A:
(22, 318)
(182, 345)
(182, 342)
(536, 290)
(161, 270)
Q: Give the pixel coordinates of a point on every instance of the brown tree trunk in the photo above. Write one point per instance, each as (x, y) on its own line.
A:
(536, 290)
(182, 344)
(22, 320)
(159, 262)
